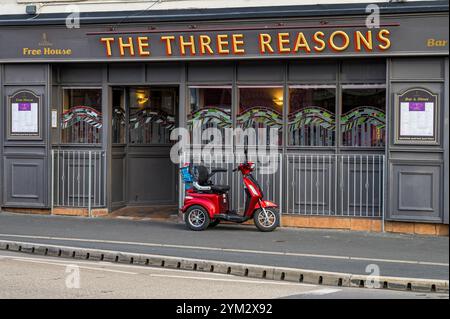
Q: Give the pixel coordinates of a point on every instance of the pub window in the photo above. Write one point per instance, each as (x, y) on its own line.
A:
(363, 118)
(259, 108)
(209, 107)
(81, 119)
(118, 117)
(152, 115)
(312, 116)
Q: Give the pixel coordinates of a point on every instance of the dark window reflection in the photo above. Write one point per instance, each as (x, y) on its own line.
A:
(312, 120)
(81, 119)
(363, 119)
(151, 115)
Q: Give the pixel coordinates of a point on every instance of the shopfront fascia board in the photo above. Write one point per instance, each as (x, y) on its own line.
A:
(302, 38)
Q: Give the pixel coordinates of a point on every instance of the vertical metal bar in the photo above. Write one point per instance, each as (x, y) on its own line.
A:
(305, 176)
(317, 185)
(329, 183)
(323, 184)
(354, 185)
(104, 179)
(379, 187)
(78, 179)
(360, 185)
(311, 185)
(299, 185)
(95, 178)
(348, 185)
(367, 185)
(280, 174)
(58, 170)
(84, 179)
(64, 179)
(383, 209)
(73, 178)
(89, 187)
(373, 185)
(341, 186)
(52, 182)
(336, 167)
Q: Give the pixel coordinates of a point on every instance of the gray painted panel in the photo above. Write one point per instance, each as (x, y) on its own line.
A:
(207, 72)
(312, 71)
(118, 178)
(81, 73)
(24, 181)
(415, 192)
(126, 73)
(22, 73)
(362, 70)
(260, 71)
(153, 180)
(417, 68)
(164, 73)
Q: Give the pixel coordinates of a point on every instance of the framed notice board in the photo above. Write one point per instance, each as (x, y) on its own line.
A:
(416, 116)
(24, 116)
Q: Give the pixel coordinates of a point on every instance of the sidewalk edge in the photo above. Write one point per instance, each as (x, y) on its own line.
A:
(238, 269)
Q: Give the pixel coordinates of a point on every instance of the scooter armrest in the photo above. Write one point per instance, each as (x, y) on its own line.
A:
(201, 188)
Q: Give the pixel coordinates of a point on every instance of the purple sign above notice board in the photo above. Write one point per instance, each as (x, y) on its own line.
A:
(417, 106)
(24, 106)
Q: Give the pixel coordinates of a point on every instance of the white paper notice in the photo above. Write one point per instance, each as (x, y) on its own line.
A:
(417, 119)
(24, 118)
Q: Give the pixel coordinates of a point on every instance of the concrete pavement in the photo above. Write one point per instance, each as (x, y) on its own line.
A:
(338, 251)
(24, 276)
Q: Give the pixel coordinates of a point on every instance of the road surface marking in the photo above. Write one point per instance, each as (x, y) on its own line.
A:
(70, 264)
(321, 292)
(397, 261)
(268, 282)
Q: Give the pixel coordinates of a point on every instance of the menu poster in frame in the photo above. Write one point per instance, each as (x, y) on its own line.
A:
(417, 117)
(24, 109)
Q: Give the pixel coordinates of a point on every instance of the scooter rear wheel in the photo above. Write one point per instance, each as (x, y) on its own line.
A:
(197, 218)
(269, 223)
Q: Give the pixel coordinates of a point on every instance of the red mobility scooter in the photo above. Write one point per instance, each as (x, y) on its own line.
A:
(206, 204)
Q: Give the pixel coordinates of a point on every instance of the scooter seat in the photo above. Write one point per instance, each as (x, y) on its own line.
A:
(220, 188)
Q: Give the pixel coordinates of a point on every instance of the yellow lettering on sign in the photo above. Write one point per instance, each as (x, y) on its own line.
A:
(301, 43)
(168, 39)
(283, 40)
(237, 40)
(363, 40)
(382, 36)
(107, 42)
(222, 44)
(126, 45)
(187, 43)
(205, 44)
(143, 46)
(345, 38)
(264, 43)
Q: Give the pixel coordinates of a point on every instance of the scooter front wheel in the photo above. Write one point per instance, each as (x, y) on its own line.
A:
(268, 220)
(197, 218)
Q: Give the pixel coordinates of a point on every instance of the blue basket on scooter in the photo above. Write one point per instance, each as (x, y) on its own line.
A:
(187, 176)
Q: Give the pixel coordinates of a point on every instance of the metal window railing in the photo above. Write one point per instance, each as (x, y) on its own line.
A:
(78, 179)
(346, 185)
(335, 185)
(271, 183)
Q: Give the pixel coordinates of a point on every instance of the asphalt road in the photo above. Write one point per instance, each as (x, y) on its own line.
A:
(25, 276)
(338, 251)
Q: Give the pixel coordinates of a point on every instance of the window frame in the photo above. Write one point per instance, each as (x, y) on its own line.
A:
(374, 85)
(62, 88)
(332, 85)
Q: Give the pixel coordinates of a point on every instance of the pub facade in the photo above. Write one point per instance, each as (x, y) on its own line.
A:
(362, 109)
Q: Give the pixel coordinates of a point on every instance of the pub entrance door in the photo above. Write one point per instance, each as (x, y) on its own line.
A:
(144, 179)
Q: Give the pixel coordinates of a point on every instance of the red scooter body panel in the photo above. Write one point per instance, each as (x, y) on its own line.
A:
(211, 202)
(266, 203)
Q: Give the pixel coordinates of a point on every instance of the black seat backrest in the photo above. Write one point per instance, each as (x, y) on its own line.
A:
(201, 174)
